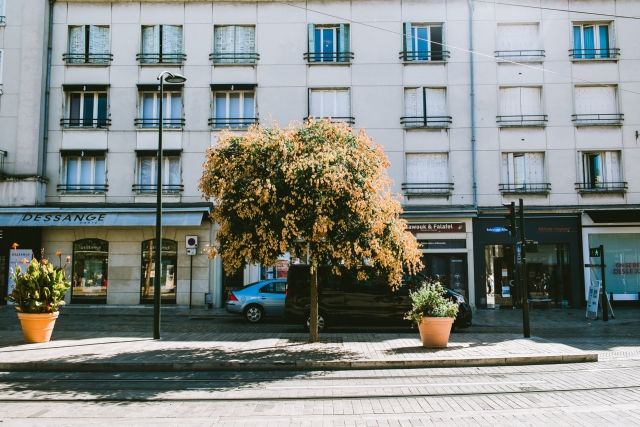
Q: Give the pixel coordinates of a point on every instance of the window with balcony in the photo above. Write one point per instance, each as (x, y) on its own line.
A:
(425, 107)
(147, 181)
(330, 103)
(1, 12)
(596, 105)
(601, 172)
(86, 107)
(150, 109)
(427, 175)
(234, 44)
(520, 106)
(161, 44)
(328, 44)
(423, 42)
(518, 42)
(234, 106)
(593, 41)
(88, 44)
(1, 60)
(523, 173)
(84, 172)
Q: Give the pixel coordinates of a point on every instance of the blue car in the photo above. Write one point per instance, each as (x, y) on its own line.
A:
(259, 299)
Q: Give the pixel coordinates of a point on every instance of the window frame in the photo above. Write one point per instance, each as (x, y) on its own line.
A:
(588, 182)
(535, 55)
(522, 120)
(152, 187)
(146, 58)
(427, 189)
(251, 57)
(239, 121)
(612, 50)
(347, 119)
(173, 122)
(91, 187)
(86, 56)
(512, 185)
(609, 119)
(410, 56)
(95, 120)
(439, 122)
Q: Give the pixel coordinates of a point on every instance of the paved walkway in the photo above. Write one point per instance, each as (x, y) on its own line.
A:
(97, 339)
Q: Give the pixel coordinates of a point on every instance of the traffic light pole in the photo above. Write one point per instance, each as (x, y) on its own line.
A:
(605, 302)
(525, 292)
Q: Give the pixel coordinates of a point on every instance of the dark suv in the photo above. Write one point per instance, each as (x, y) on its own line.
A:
(345, 299)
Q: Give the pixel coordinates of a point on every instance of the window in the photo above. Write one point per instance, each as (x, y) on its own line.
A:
(523, 173)
(161, 43)
(273, 288)
(150, 110)
(86, 110)
(518, 42)
(425, 107)
(1, 58)
(601, 172)
(88, 44)
(593, 41)
(148, 173)
(85, 172)
(1, 12)
(331, 103)
(328, 43)
(168, 269)
(423, 42)
(427, 174)
(520, 106)
(596, 105)
(90, 271)
(234, 44)
(234, 109)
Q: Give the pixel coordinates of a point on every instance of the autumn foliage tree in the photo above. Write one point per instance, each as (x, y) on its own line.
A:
(318, 189)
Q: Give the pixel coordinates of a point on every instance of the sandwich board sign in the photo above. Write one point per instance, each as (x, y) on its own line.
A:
(593, 299)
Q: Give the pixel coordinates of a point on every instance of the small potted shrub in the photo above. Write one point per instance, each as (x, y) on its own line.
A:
(433, 313)
(38, 294)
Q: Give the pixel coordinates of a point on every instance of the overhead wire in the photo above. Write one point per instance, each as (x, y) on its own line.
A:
(459, 48)
(609, 15)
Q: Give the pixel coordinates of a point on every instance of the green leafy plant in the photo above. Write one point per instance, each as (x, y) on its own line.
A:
(429, 301)
(40, 288)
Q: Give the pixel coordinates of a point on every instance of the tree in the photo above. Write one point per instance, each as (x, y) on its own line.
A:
(319, 190)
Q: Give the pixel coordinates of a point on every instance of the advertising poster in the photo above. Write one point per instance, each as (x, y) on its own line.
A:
(15, 259)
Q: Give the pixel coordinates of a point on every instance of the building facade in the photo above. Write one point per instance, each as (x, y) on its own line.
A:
(550, 121)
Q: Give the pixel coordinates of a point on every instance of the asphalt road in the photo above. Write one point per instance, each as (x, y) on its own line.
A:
(598, 394)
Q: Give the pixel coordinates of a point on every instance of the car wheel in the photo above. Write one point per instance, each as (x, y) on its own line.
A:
(254, 314)
(321, 323)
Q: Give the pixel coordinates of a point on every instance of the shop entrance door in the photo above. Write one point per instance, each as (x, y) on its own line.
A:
(168, 279)
(449, 269)
(500, 284)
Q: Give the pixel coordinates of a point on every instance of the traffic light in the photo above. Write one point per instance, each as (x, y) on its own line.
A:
(511, 216)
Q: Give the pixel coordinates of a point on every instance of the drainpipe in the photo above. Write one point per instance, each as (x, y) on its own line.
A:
(473, 110)
(47, 90)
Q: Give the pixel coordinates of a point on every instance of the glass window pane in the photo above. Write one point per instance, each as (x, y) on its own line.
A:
(90, 270)
(176, 107)
(328, 99)
(436, 43)
(173, 177)
(328, 42)
(342, 104)
(221, 105)
(249, 105)
(74, 110)
(88, 109)
(102, 109)
(518, 169)
(99, 176)
(72, 170)
(147, 109)
(603, 35)
(422, 43)
(234, 105)
(86, 175)
(315, 106)
(318, 44)
(589, 42)
(146, 172)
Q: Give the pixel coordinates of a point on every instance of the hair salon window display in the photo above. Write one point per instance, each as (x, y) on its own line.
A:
(433, 313)
(38, 293)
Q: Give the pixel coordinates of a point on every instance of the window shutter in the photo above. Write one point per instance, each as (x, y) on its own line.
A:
(1, 7)
(171, 42)
(441, 168)
(510, 101)
(77, 43)
(436, 102)
(315, 103)
(245, 43)
(534, 166)
(343, 106)
(612, 166)
(343, 43)
(417, 168)
(407, 41)
(312, 41)
(530, 101)
(150, 42)
(510, 170)
(411, 106)
(577, 40)
(505, 168)
(519, 174)
(98, 42)
(502, 38)
(224, 43)
(612, 35)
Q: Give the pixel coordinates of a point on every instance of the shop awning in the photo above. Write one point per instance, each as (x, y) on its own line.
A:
(121, 216)
(614, 215)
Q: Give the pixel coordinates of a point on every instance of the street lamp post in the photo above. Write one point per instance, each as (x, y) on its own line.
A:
(169, 78)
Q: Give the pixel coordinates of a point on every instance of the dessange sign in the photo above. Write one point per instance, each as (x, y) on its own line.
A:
(63, 219)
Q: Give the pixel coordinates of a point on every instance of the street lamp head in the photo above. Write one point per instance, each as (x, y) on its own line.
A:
(172, 78)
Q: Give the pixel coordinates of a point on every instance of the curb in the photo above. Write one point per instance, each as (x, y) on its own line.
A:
(297, 365)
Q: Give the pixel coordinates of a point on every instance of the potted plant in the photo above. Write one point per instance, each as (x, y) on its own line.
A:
(38, 293)
(433, 313)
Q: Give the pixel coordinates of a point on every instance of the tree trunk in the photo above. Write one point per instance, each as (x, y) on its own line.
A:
(313, 315)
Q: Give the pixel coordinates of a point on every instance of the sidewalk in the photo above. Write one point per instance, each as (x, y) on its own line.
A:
(118, 339)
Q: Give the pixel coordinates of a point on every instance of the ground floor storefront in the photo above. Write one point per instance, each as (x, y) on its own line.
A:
(551, 269)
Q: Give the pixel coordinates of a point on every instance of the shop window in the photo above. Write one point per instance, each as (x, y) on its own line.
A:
(622, 258)
(168, 279)
(90, 271)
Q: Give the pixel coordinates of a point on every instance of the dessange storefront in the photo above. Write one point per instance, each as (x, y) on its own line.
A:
(112, 250)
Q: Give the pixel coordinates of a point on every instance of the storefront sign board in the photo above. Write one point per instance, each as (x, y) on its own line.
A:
(593, 299)
(96, 218)
(15, 260)
(438, 227)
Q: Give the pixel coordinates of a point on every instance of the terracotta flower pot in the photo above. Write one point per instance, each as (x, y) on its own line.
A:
(37, 327)
(434, 331)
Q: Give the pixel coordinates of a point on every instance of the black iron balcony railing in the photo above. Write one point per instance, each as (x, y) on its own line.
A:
(519, 55)
(601, 187)
(86, 123)
(424, 55)
(529, 188)
(1, 19)
(426, 121)
(154, 123)
(597, 119)
(83, 188)
(87, 58)
(427, 188)
(594, 53)
(153, 188)
(321, 57)
(3, 155)
(234, 58)
(232, 122)
(523, 120)
(161, 58)
(349, 120)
